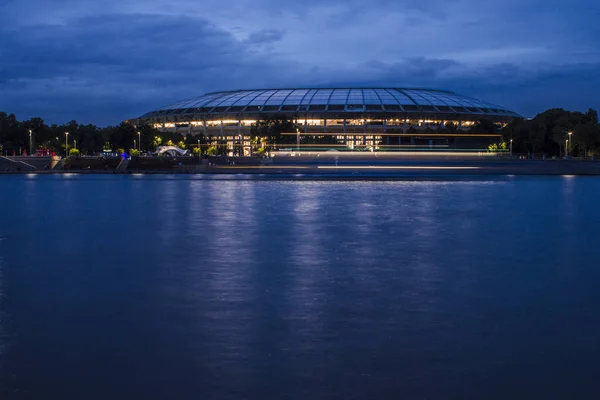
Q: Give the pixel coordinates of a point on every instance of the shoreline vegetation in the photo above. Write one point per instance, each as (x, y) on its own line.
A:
(555, 142)
(553, 133)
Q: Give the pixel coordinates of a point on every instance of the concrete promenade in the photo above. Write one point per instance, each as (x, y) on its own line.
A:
(362, 165)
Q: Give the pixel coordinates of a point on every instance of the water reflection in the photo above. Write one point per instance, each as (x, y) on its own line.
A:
(172, 286)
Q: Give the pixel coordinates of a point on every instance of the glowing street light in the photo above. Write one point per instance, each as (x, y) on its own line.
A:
(66, 144)
(30, 142)
(511, 142)
(139, 141)
(570, 143)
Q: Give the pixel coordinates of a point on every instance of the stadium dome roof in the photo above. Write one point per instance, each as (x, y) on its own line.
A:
(333, 100)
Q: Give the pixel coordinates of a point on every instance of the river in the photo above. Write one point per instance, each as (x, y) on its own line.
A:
(192, 287)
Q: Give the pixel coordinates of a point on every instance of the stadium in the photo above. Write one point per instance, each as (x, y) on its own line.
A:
(350, 118)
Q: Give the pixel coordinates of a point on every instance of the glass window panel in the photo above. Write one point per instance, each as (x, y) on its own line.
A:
(418, 98)
(466, 102)
(229, 100)
(451, 101)
(292, 101)
(308, 97)
(277, 98)
(401, 97)
(355, 97)
(339, 96)
(371, 97)
(205, 101)
(321, 97)
(243, 100)
(386, 98)
(261, 98)
(427, 96)
(216, 101)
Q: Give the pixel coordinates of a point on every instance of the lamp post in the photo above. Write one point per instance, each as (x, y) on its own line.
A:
(570, 143)
(566, 148)
(30, 142)
(511, 141)
(199, 148)
(75, 144)
(66, 144)
(139, 141)
(297, 140)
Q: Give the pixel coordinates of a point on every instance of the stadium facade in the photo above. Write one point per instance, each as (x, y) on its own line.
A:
(355, 117)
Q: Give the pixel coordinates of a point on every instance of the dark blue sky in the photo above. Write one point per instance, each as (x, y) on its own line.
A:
(105, 61)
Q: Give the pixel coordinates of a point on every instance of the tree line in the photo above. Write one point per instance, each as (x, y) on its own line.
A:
(88, 139)
(548, 133)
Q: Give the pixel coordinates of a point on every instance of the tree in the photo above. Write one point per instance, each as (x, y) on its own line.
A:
(548, 131)
(212, 151)
(271, 130)
(586, 138)
(484, 126)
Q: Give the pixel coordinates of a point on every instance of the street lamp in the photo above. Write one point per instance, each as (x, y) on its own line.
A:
(511, 141)
(198, 147)
(139, 141)
(66, 144)
(570, 143)
(75, 144)
(30, 142)
(297, 140)
(566, 148)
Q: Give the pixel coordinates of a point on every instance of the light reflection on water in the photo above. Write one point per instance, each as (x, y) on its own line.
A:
(174, 286)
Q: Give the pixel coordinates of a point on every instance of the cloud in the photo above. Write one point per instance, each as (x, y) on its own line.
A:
(141, 60)
(106, 61)
(265, 36)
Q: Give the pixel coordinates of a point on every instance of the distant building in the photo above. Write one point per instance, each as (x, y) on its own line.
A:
(393, 118)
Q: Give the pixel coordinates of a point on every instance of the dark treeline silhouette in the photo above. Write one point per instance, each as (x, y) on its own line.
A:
(548, 133)
(89, 139)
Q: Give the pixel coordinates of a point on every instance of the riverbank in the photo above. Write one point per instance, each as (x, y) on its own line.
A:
(329, 166)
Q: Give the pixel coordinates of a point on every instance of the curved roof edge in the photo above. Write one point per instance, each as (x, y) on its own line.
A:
(332, 88)
(346, 101)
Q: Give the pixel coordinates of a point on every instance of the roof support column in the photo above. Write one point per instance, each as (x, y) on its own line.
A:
(325, 125)
(387, 138)
(240, 138)
(364, 132)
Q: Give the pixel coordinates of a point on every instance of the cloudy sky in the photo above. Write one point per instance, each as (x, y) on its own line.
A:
(105, 61)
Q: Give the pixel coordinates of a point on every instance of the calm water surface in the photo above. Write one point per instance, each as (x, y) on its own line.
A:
(159, 287)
